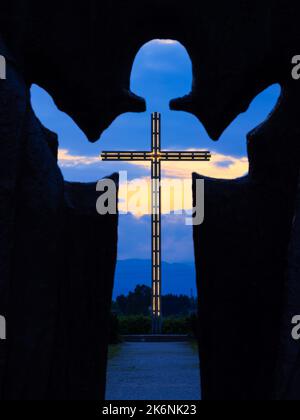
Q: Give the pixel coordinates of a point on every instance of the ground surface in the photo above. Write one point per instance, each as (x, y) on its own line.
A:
(153, 371)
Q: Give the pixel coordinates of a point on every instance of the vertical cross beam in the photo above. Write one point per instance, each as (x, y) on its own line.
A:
(156, 223)
(156, 156)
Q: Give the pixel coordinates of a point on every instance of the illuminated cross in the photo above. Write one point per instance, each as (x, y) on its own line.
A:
(156, 156)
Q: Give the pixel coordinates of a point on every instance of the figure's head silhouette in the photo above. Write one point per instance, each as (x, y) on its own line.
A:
(162, 71)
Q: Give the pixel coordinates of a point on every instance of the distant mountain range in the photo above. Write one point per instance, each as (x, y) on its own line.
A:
(176, 278)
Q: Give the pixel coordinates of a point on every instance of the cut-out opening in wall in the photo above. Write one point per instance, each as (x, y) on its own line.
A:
(162, 71)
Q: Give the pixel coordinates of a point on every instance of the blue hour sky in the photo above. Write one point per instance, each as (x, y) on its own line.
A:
(162, 71)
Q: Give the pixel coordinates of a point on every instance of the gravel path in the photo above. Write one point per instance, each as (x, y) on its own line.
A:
(154, 371)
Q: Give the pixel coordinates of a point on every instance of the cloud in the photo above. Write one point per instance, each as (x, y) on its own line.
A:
(135, 194)
(221, 166)
(177, 183)
(68, 160)
(166, 42)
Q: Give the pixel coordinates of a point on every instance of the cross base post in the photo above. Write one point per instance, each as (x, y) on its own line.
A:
(156, 325)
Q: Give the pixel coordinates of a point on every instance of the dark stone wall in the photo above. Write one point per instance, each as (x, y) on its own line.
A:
(242, 253)
(82, 54)
(57, 262)
(288, 371)
(87, 267)
(241, 260)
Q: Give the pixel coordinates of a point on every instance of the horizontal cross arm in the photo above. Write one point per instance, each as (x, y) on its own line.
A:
(201, 156)
(125, 156)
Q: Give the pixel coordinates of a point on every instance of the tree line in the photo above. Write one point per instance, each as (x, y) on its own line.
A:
(138, 302)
